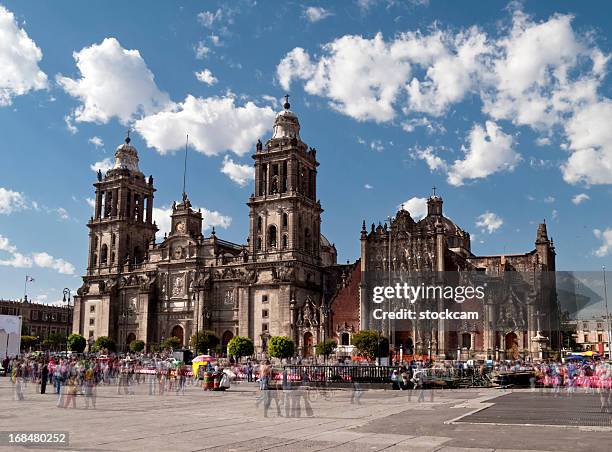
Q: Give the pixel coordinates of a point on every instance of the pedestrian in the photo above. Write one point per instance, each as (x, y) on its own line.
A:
(44, 375)
(249, 371)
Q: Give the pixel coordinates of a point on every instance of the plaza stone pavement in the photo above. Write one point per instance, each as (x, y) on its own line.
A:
(233, 421)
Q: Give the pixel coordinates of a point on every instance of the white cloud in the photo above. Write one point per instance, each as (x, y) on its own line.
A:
(102, 165)
(376, 145)
(205, 76)
(40, 259)
(62, 213)
(430, 158)
(218, 19)
(68, 120)
(216, 40)
(368, 187)
(19, 58)
(554, 214)
(114, 82)
(214, 125)
(364, 78)
(489, 221)
(606, 239)
(590, 142)
(210, 218)
(241, 174)
(90, 202)
(432, 127)
(96, 141)
(549, 199)
(489, 151)
(580, 198)
(417, 207)
(45, 260)
(543, 141)
(208, 18)
(316, 13)
(201, 51)
(531, 79)
(361, 77)
(12, 201)
(541, 74)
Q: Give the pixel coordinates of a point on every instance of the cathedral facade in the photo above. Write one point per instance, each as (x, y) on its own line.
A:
(285, 280)
(517, 317)
(281, 282)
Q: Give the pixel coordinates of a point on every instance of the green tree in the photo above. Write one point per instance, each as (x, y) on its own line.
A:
(28, 341)
(55, 340)
(281, 347)
(154, 347)
(76, 343)
(137, 345)
(240, 346)
(326, 347)
(171, 342)
(204, 341)
(105, 342)
(370, 344)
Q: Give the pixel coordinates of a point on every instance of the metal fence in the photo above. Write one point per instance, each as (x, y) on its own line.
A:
(339, 374)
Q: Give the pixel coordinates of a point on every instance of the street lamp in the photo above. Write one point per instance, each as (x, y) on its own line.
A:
(67, 294)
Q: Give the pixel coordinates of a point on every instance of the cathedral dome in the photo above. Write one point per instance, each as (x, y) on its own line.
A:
(286, 124)
(126, 156)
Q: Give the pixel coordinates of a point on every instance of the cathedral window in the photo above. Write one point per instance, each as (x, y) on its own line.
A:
(104, 254)
(466, 340)
(272, 236)
(284, 177)
(128, 206)
(94, 259)
(112, 259)
(307, 240)
(136, 207)
(285, 241)
(92, 308)
(264, 298)
(259, 224)
(113, 239)
(259, 243)
(264, 314)
(264, 327)
(285, 222)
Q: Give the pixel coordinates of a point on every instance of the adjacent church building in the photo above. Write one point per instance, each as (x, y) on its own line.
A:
(285, 280)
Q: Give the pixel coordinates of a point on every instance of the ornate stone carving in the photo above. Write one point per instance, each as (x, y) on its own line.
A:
(178, 285)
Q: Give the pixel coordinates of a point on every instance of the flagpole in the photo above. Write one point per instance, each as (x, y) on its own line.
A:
(25, 289)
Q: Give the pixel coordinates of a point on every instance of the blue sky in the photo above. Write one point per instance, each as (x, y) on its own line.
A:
(504, 107)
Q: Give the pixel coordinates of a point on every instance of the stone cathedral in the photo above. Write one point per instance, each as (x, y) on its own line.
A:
(281, 282)
(285, 279)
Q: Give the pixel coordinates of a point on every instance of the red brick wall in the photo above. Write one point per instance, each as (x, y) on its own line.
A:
(345, 305)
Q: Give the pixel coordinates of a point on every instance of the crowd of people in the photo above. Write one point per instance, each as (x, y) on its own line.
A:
(72, 376)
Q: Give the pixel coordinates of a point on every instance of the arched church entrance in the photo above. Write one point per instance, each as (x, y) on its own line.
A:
(308, 344)
(512, 349)
(130, 338)
(177, 331)
(227, 336)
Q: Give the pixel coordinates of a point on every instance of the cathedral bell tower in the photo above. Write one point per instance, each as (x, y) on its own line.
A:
(122, 226)
(285, 216)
